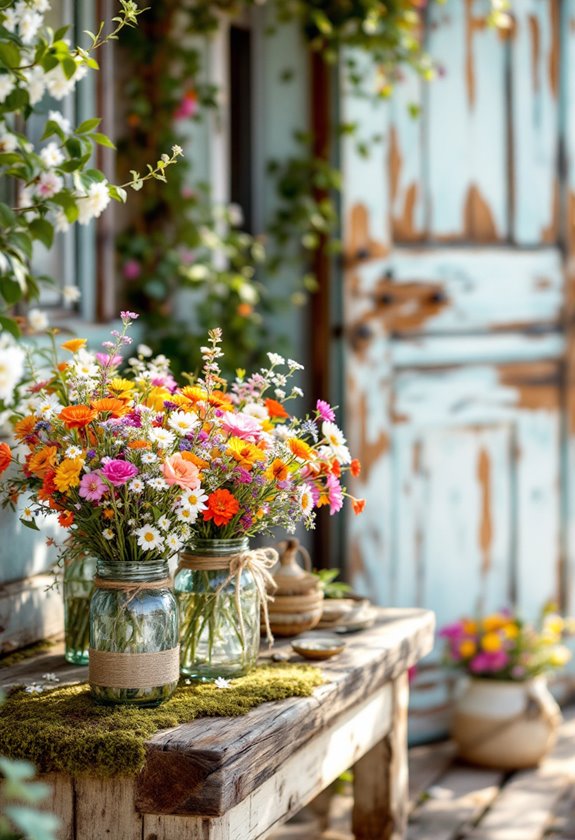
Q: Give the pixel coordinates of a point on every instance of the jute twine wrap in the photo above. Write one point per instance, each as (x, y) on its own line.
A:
(258, 562)
(133, 670)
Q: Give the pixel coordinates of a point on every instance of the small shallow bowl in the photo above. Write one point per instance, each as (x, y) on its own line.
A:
(320, 646)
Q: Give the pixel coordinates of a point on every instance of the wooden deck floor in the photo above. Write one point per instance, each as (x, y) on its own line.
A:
(452, 801)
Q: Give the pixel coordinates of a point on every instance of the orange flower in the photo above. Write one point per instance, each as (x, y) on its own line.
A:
(245, 310)
(194, 393)
(5, 457)
(74, 344)
(116, 407)
(66, 518)
(357, 505)
(195, 459)
(139, 444)
(62, 366)
(24, 427)
(220, 400)
(108, 513)
(300, 449)
(278, 470)
(68, 474)
(244, 452)
(275, 409)
(77, 416)
(222, 506)
(335, 468)
(355, 468)
(42, 461)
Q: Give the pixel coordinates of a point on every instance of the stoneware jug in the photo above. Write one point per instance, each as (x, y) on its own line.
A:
(298, 599)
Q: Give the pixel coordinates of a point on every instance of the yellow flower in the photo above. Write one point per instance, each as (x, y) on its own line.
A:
(553, 626)
(68, 474)
(194, 393)
(491, 642)
(494, 622)
(156, 398)
(467, 648)
(120, 386)
(244, 452)
(469, 627)
(559, 656)
(511, 630)
(300, 449)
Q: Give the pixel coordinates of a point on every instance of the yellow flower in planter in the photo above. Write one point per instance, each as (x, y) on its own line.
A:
(559, 656)
(495, 621)
(467, 648)
(491, 642)
(511, 630)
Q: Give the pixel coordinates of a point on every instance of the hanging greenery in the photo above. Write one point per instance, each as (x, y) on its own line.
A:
(181, 248)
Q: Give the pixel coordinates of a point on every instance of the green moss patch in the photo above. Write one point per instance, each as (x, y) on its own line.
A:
(63, 729)
(16, 656)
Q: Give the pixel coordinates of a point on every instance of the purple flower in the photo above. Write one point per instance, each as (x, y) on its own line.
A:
(126, 315)
(185, 445)
(92, 487)
(325, 410)
(246, 521)
(118, 472)
(170, 405)
(91, 453)
(243, 476)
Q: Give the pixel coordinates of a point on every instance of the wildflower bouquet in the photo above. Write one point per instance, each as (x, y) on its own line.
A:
(504, 647)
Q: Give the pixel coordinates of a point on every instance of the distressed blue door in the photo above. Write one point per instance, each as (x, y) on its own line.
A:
(458, 233)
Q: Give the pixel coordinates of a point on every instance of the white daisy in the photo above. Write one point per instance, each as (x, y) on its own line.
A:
(51, 155)
(164, 523)
(221, 682)
(256, 410)
(136, 485)
(74, 452)
(149, 458)
(306, 501)
(27, 515)
(108, 534)
(37, 320)
(71, 294)
(163, 437)
(149, 537)
(46, 405)
(34, 688)
(276, 359)
(182, 422)
(185, 532)
(158, 484)
(173, 542)
(194, 500)
(186, 514)
(336, 441)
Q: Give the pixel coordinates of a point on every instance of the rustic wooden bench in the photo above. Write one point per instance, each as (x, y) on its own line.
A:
(238, 778)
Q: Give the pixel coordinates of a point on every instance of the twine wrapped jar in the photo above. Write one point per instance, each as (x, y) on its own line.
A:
(298, 600)
(134, 650)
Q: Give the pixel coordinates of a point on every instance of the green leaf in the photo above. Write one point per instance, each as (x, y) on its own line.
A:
(52, 128)
(10, 290)
(88, 125)
(32, 525)
(22, 242)
(9, 55)
(102, 140)
(10, 326)
(73, 147)
(117, 193)
(59, 33)
(43, 231)
(7, 216)
(69, 66)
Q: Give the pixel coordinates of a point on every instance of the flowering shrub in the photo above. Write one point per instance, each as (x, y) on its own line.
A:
(137, 466)
(503, 646)
(53, 186)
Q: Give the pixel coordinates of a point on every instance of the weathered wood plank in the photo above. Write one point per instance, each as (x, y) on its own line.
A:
(29, 611)
(427, 763)
(457, 800)
(466, 114)
(406, 161)
(61, 803)
(105, 809)
(535, 59)
(199, 768)
(380, 783)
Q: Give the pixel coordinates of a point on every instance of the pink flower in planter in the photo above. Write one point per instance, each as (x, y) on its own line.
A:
(489, 662)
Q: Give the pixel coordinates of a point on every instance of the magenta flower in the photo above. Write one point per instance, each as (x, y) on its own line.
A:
(131, 269)
(452, 631)
(486, 662)
(325, 411)
(92, 487)
(188, 106)
(119, 472)
(108, 361)
(334, 494)
(243, 426)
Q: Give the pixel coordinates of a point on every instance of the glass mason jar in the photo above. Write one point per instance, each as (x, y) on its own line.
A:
(211, 638)
(78, 587)
(134, 652)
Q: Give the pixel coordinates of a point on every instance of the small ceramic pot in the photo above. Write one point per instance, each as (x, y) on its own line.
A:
(298, 600)
(505, 724)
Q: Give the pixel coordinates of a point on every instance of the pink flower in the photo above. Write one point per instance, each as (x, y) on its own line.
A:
(334, 494)
(108, 361)
(132, 269)
(167, 382)
(486, 662)
(92, 487)
(188, 106)
(119, 472)
(178, 471)
(452, 631)
(325, 411)
(243, 426)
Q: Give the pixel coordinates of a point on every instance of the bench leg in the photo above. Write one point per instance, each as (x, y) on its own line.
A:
(380, 783)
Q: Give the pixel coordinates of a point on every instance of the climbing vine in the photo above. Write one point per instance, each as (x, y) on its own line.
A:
(184, 254)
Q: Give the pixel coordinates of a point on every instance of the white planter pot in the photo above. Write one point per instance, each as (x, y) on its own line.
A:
(505, 724)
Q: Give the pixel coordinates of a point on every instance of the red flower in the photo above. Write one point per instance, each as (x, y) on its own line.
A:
(66, 518)
(222, 506)
(357, 505)
(355, 468)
